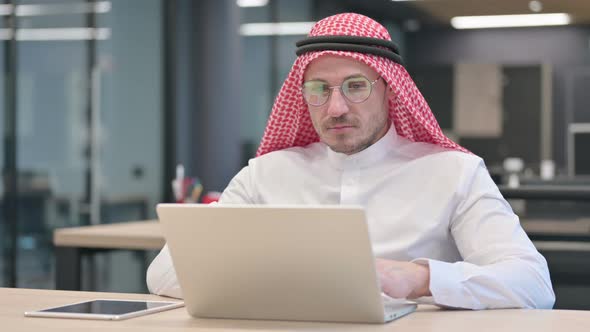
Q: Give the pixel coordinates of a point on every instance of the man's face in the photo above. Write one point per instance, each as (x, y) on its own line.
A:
(344, 126)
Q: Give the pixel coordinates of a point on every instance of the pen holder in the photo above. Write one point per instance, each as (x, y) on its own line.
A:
(187, 190)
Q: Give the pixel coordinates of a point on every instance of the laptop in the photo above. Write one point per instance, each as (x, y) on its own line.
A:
(305, 263)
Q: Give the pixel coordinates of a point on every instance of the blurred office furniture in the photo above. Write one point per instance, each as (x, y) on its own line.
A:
(32, 238)
(13, 302)
(547, 192)
(557, 219)
(477, 100)
(72, 244)
(101, 268)
(34, 194)
(41, 211)
(513, 167)
(578, 149)
(516, 99)
(113, 208)
(577, 120)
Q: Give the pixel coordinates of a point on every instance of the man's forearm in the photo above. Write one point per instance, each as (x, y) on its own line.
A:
(514, 283)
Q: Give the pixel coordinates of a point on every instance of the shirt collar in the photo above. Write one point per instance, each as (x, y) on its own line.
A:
(366, 157)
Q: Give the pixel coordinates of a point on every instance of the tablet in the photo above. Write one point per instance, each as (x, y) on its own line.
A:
(105, 309)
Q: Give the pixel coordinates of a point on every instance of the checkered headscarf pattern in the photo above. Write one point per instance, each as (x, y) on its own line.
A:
(290, 124)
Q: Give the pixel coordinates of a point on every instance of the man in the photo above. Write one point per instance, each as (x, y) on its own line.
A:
(349, 126)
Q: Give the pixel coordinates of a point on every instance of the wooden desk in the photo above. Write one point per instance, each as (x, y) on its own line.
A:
(73, 243)
(127, 235)
(14, 302)
(146, 235)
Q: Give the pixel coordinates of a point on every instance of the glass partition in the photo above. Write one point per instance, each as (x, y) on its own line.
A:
(89, 133)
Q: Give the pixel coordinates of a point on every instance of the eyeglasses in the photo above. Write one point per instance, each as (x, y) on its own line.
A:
(355, 89)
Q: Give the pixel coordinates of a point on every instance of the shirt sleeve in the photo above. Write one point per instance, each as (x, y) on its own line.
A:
(161, 277)
(239, 190)
(501, 268)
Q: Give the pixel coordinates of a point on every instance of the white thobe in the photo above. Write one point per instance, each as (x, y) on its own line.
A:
(423, 203)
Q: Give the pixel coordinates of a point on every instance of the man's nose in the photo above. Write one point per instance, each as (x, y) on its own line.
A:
(337, 104)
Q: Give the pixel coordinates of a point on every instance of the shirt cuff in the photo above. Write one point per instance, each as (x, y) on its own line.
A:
(445, 282)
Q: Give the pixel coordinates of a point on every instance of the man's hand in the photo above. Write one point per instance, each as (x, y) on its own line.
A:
(403, 279)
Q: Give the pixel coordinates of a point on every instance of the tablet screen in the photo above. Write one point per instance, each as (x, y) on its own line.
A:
(107, 307)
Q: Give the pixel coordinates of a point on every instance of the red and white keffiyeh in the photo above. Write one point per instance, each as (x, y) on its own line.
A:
(290, 124)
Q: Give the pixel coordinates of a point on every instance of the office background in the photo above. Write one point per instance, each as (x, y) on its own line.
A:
(101, 100)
